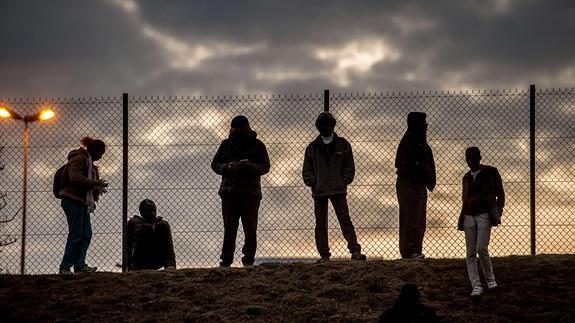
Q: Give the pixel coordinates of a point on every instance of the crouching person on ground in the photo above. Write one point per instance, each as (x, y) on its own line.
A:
(149, 240)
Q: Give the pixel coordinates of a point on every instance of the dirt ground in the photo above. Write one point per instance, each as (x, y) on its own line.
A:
(532, 289)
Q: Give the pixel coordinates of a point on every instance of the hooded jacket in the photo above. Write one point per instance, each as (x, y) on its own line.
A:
(414, 159)
(491, 187)
(75, 181)
(245, 181)
(328, 170)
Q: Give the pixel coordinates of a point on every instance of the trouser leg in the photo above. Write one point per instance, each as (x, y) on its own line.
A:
(341, 208)
(86, 239)
(470, 228)
(412, 200)
(73, 211)
(483, 236)
(249, 216)
(163, 237)
(321, 237)
(231, 217)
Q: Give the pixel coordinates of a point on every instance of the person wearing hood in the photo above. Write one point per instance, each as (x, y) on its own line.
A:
(149, 240)
(241, 160)
(81, 188)
(328, 169)
(415, 175)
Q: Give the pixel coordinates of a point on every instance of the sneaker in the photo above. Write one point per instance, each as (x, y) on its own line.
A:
(492, 285)
(248, 264)
(477, 291)
(322, 260)
(416, 256)
(86, 269)
(65, 271)
(225, 264)
(358, 256)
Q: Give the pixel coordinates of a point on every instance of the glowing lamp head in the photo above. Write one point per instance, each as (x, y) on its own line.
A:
(46, 114)
(4, 113)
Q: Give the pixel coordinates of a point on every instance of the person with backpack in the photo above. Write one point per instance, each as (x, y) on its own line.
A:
(483, 202)
(81, 187)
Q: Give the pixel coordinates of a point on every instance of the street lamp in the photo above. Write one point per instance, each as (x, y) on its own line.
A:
(44, 114)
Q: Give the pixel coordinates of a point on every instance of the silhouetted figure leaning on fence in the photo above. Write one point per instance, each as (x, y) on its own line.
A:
(241, 159)
(415, 174)
(483, 202)
(149, 240)
(81, 187)
(328, 168)
(407, 308)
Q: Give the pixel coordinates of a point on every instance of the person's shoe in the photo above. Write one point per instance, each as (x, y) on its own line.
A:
(322, 260)
(492, 285)
(248, 264)
(65, 271)
(358, 256)
(476, 292)
(86, 269)
(225, 264)
(416, 256)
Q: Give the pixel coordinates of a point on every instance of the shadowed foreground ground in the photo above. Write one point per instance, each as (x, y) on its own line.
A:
(540, 288)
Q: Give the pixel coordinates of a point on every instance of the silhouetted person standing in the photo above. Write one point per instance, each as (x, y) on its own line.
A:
(149, 239)
(415, 175)
(328, 169)
(81, 188)
(483, 202)
(241, 160)
(407, 308)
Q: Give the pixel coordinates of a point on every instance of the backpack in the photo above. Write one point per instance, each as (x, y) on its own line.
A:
(57, 185)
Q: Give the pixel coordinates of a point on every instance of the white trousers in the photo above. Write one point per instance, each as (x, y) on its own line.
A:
(477, 233)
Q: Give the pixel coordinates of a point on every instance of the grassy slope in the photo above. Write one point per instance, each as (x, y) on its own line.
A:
(540, 288)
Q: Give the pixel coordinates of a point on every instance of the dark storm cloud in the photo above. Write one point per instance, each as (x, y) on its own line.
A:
(78, 48)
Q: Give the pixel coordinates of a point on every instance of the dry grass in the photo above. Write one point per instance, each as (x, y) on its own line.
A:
(540, 288)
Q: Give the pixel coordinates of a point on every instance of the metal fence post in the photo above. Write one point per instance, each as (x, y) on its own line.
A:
(124, 179)
(326, 100)
(532, 165)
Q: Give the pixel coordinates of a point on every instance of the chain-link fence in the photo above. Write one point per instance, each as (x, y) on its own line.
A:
(172, 142)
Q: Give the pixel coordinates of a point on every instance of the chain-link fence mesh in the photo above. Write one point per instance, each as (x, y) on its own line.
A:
(172, 142)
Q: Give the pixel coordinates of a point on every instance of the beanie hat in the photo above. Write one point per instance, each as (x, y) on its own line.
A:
(239, 121)
(147, 204)
(325, 117)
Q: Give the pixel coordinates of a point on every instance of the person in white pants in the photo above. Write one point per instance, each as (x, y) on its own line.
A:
(483, 202)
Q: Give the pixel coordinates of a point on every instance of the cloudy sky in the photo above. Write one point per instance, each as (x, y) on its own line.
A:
(217, 47)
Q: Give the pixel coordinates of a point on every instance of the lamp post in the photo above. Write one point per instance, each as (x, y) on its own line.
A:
(45, 114)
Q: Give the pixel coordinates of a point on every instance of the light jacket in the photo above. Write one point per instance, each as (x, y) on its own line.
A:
(328, 175)
(75, 181)
(491, 187)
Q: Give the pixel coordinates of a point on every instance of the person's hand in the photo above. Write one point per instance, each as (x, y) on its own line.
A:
(243, 164)
(170, 268)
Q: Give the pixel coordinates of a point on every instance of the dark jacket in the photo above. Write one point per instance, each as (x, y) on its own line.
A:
(246, 181)
(328, 169)
(491, 187)
(75, 181)
(150, 244)
(414, 161)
